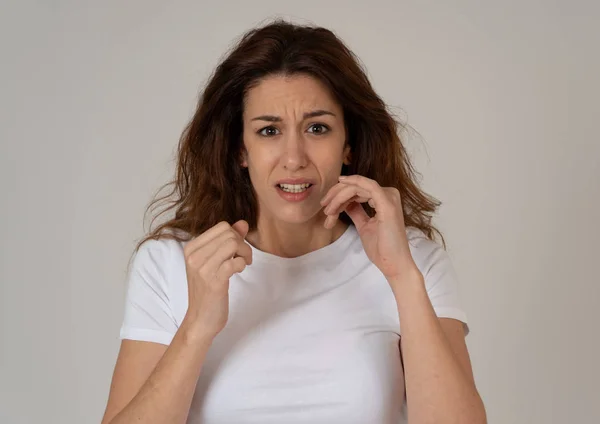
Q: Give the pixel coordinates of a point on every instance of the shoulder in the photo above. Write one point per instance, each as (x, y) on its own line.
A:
(430, 256)
(157, 255)
(162, 248)
(158, 272)
(424, 250)
(440, 276)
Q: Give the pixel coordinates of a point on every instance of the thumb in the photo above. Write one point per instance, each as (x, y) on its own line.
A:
(241, 227)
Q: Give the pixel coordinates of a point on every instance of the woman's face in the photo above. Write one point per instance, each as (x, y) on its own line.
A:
(295, 145)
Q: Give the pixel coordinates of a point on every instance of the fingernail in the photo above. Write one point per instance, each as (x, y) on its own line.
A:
(342, 177)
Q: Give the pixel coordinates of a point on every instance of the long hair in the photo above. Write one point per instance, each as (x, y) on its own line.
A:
(210, 185)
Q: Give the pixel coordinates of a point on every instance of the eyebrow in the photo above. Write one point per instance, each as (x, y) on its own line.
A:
(307, 115)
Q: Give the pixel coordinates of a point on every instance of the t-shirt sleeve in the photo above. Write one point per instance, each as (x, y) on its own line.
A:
(441, 279)
(148, 312)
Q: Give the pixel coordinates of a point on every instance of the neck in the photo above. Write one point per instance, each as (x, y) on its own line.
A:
(293, 240)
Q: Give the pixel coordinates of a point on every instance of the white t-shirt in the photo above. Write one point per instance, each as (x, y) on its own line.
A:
(312, 339)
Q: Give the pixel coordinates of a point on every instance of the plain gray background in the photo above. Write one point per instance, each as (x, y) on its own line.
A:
(503, 95)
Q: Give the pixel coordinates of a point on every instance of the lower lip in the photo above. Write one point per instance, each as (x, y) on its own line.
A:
(294, 197)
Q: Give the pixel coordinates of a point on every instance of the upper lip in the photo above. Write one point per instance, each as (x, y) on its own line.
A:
(295, 181)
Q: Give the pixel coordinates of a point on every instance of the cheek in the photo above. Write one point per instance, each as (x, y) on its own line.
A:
(330, 159)
(261, 158)
(261, 162)
(330, 166)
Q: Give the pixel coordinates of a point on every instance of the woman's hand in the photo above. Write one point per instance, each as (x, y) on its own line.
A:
(210, 261)
(384, 235)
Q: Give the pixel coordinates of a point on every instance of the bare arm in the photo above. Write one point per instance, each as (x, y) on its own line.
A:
(155, 384)
(438, 376)
(439, 379)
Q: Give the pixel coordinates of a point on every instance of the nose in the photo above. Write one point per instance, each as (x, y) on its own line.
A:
(294, 155)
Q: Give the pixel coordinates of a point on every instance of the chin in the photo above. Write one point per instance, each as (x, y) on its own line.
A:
(295, 216)
(293, 219)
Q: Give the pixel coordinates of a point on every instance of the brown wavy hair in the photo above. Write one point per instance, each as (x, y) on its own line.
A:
(210, 185)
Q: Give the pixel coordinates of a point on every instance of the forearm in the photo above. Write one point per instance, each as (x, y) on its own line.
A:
(438, 389)
(167, 394)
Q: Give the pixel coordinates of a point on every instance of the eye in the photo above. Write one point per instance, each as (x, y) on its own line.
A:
(318, 129)
(269, 131)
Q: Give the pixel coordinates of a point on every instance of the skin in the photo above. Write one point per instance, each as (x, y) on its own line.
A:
(439, 379)
(154, 383)
(293, 146)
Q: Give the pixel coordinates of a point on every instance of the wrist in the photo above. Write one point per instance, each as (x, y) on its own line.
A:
(195, 332)
(409, 281)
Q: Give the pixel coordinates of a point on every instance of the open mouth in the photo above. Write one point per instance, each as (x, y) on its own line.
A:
(294, 188)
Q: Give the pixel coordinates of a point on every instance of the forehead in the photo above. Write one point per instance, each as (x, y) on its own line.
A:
(280, 93)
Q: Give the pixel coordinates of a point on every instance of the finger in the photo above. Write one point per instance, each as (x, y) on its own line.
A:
(230, 267)
(237, 247)
(379, 200)
(330, 221)
(357, 214)
(205, 238)
(241, 227)
(205, 252)
(242, 248)
(226, 251)
(332, 192)
(345, 195)
(343, 206)
(359, 200)
(354, 204)
(244, 251)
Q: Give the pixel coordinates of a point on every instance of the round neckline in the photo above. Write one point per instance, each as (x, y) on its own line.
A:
(339, 245)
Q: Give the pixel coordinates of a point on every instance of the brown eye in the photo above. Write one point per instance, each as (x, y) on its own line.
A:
(269, 131)
(318, 129)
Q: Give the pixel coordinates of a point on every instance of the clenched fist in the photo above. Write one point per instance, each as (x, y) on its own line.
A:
(210, 260)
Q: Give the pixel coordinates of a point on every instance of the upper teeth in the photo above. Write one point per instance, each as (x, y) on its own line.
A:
(294, 187)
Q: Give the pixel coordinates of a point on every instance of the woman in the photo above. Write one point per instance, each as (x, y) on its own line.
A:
(299, 280)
